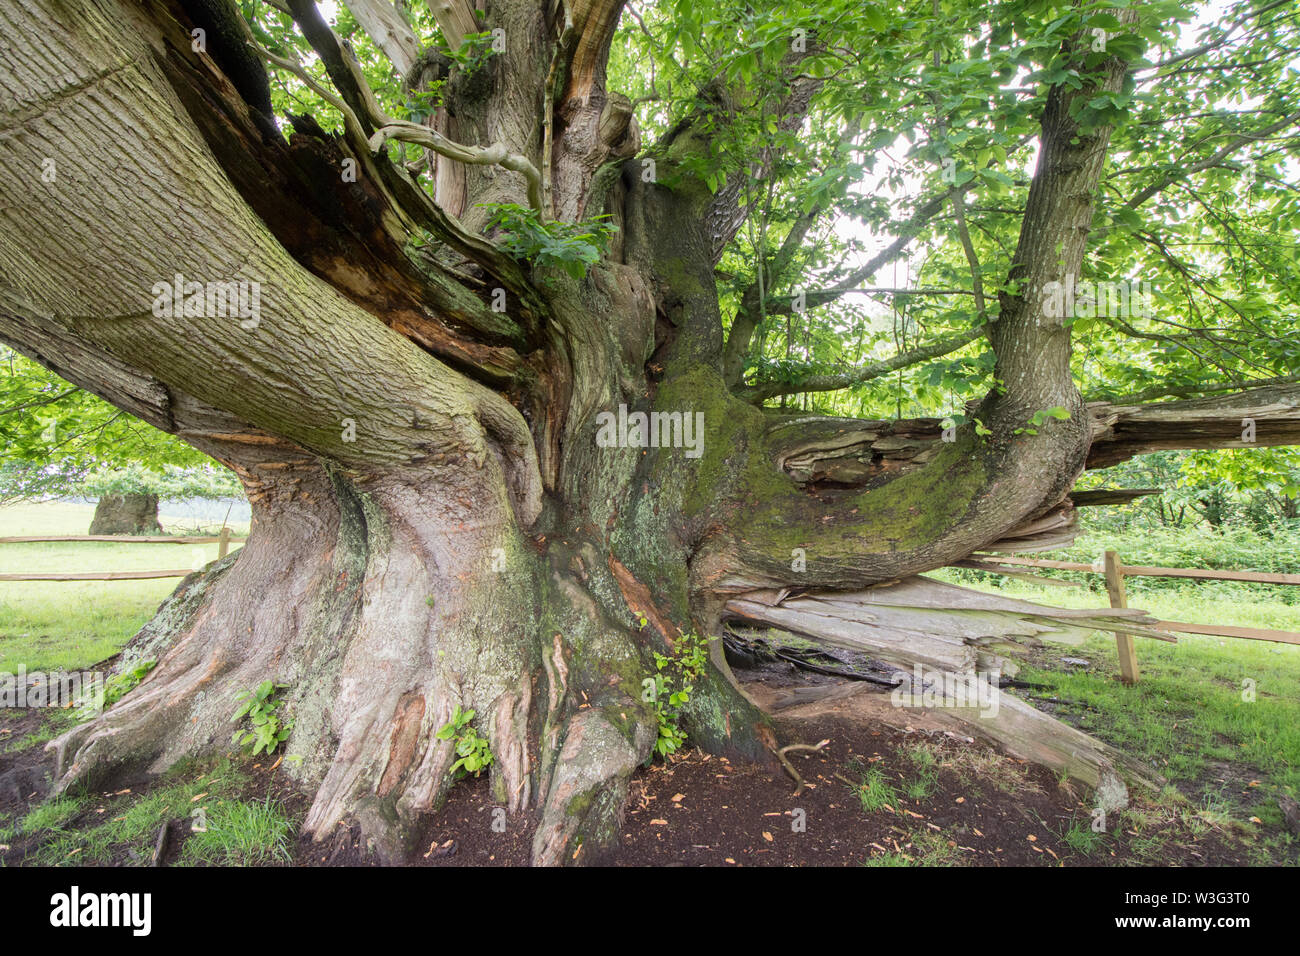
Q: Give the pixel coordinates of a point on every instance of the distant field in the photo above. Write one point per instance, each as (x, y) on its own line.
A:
(48, 625)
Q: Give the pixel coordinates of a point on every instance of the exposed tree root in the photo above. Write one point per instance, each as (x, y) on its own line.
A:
(789, 767)
(587, 790)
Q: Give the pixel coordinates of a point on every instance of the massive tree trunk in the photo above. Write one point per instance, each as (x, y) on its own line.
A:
(435, 522)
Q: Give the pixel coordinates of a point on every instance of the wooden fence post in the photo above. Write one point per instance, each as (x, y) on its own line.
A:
(1128, 664)
(224, 545)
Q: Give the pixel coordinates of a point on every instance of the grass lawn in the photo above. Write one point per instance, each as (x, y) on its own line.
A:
(68, 625)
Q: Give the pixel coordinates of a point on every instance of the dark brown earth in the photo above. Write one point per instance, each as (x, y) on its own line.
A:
(983, 809)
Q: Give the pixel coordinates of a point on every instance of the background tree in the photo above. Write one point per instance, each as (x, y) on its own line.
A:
(61, 440)
(493, 222)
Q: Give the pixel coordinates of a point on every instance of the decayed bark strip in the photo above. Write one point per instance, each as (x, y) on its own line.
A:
(1255, 418)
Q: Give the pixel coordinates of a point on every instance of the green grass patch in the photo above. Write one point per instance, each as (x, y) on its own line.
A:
(70, 625)
(888, 859)
(874, 791)
(51, 815)
(926, 849)
(925, 762)
(1192, 706)
(240, 833)
(1082, 838)
(131, 822)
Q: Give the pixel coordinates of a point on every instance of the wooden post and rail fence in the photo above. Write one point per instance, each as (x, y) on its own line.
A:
(1109, 566)
(1115, 572)
(222, 541)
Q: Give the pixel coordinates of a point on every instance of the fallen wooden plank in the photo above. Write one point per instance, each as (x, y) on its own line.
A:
(911, 596)
(96, 575)
(1225, 630)
(951, 623)
(945, 630)
(894, 645)
(927, 592)
(122, 538)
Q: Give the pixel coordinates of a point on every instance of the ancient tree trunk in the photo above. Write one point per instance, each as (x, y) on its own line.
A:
(443, 513)
(414, 547)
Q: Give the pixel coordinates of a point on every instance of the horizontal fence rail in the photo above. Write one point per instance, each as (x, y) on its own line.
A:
(97, 575)
(1226, 630)
(223, 540)
(1137, 570)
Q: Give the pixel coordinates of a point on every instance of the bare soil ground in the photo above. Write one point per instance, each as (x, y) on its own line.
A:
(936, 799)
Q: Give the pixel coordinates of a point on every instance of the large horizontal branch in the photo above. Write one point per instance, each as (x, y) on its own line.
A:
(1256, 418)
(851, 452)
(98, 371)
(25, 330)
(870, 501)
